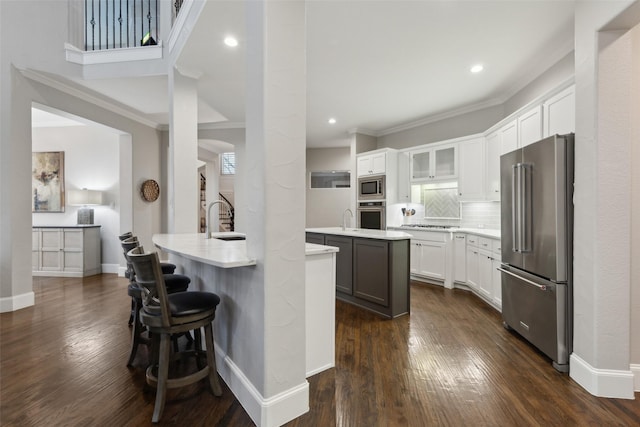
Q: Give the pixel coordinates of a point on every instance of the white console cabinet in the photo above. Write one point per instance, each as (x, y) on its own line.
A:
(72, 251)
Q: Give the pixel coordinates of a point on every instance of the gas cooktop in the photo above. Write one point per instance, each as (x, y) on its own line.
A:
(439, 227)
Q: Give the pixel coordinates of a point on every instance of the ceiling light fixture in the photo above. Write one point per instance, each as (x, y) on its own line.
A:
(332, 121)
(477, 68)
(231, 41)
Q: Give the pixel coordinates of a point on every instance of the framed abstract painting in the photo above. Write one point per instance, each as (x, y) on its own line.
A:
(47, 181)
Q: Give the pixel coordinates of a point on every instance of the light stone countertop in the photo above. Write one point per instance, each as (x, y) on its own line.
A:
(216, 252)
(362, 232)
(482, 232)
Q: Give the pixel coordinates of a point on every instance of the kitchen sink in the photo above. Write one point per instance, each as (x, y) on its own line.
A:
(227, 238)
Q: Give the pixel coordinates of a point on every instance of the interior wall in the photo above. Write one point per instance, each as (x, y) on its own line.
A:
(325, 206)
(466, 124)
(91, 160)
(559, 73)
(635, 203)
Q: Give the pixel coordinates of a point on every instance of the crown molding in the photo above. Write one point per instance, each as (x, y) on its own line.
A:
(210, 126)
(108, 56)
(438, 117)
(363, 131)
(80, 94)
(221, 125)
(541, 66)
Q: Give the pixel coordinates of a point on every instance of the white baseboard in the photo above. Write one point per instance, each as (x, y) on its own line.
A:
(111, 268)
(602, 382)
(317, 370)
(274, 411)
(635, 369)
(17, 302)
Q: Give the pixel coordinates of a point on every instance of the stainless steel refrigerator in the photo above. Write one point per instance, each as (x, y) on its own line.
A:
(537, 240)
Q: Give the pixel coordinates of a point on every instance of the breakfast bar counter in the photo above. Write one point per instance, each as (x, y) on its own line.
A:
(221, 265)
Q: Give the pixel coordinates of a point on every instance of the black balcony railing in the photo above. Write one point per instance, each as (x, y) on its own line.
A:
(177, 4)
(112, 24)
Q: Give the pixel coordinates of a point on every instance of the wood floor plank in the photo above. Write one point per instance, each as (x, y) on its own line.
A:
(449, 363)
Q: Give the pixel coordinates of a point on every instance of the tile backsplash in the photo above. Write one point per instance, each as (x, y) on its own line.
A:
(472, 215)
(481, 215)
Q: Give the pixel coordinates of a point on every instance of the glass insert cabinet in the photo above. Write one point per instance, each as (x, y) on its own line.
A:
(434, 164)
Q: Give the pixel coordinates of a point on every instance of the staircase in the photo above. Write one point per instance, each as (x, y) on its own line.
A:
(226, 220)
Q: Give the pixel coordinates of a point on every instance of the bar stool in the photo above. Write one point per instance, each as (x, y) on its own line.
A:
(167, 267)
(169, 314)
(173, 282)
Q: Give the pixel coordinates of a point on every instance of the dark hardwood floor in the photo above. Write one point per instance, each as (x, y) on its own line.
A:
(450, 363)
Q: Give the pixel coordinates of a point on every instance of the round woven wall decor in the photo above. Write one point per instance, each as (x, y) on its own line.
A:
(150, 190)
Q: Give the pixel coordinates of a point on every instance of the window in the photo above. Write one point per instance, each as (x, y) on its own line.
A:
(330, 179)
(228, 163)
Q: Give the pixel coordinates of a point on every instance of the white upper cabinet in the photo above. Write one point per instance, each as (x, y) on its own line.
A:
(404, 178)
(373, 164)
(471, 186)
(436, 163)
(560, 113)
(493, 150)
(530, 126)
(508, 137)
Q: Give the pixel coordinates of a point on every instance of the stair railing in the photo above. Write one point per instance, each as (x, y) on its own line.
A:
(113, 24)
(225, 218)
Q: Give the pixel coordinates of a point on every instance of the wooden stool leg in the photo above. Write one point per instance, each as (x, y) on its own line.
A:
(163, 375)
(198, 347)
(133, 307)
(211, 361)
(136, 333)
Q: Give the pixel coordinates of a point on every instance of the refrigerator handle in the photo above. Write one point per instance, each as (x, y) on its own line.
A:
(526, 197)
(514, 207)
(541, 287)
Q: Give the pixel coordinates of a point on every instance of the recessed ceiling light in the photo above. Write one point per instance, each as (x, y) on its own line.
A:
(332, 121)
(477, 68)
(231, 41)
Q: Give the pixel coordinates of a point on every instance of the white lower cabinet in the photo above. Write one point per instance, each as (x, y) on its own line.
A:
(428, 259)
(430, 256)
(66, 251)
(460, 257)
(496, 276)
(485, 285)
(473, 272)
(482, 262)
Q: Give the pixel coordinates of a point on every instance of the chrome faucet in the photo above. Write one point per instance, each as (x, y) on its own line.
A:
(344, 221)
(208, 227)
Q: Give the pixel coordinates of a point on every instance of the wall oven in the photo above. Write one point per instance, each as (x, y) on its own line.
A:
(371, 187)
(371, 215)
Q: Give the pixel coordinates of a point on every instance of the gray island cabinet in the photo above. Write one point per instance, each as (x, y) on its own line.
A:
(372, 267)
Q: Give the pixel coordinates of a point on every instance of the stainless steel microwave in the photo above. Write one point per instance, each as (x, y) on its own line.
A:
(371, 187)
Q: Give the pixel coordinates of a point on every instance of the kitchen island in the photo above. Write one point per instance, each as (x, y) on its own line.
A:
(372, 267)
(221, 265)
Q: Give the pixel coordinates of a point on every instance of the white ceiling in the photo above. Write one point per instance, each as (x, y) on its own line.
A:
(372, 65)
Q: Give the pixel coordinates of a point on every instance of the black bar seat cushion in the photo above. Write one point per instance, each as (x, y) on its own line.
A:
(176, 282)
(193, 302)
(167, 267)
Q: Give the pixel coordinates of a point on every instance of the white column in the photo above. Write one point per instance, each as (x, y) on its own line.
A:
(600, 358)
(275, 170)
(183, 183)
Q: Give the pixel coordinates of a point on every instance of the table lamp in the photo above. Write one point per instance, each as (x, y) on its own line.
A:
(85, 198)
